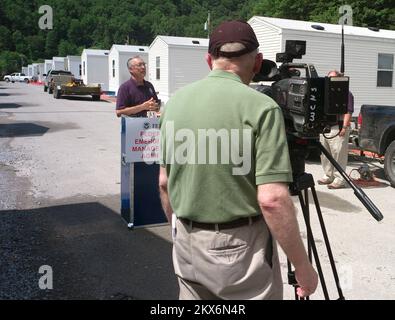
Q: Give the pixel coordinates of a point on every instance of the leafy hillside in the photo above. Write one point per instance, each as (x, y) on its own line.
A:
(100, 23)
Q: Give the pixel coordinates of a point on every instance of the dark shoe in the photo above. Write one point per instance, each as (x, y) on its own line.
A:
(336, 185)
(324, 181)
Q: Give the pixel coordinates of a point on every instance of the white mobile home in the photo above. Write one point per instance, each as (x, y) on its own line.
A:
(30, 71)
(369, 53)
(117, 63)
(58, 63)
(73, 64)
(47, 66)
(41, 72)
(25, 71)
(175, 62)
(95, 67)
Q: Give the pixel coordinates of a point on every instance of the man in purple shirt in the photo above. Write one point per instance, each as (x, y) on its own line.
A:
(136, 96)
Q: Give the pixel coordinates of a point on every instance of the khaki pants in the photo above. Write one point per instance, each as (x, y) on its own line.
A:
(338, 148)
(238, 264)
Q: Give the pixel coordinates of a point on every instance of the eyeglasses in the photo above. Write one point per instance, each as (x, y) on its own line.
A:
(143, 64)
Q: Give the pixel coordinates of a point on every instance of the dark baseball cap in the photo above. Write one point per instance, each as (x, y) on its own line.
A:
(229, 32)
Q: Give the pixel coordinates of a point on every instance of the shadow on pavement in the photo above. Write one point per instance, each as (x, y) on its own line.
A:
(92, 254)
(10, 105)
(12, 130)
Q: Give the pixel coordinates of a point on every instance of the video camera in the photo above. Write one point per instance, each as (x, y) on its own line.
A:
(310, 104)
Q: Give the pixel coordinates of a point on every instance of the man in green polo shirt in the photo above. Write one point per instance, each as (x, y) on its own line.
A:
(223, 180)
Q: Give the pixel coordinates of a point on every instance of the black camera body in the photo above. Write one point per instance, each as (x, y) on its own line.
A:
(310, 104)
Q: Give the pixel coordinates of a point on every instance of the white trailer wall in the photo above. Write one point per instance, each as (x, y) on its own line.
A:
(58, 63)
(73, 64)
(47, 66)
(95, 67)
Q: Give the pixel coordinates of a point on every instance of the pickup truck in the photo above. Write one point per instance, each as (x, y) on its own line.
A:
(17, 77)
(55, 78)
(376, 133)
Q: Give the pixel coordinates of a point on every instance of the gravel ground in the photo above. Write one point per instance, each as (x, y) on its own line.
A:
(59, 206)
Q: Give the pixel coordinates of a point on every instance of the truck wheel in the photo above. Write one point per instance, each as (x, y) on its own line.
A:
(26, 80)
(45, 88)
(389, 163)
(7, 80)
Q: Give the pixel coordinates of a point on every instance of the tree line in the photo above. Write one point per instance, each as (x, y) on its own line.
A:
(100, 23)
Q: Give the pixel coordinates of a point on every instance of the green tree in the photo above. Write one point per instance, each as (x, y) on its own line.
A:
(6, 42)
(67, 48)
(9, 62)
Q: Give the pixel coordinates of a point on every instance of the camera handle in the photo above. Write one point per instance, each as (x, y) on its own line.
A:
(373, 210)
(303, 183)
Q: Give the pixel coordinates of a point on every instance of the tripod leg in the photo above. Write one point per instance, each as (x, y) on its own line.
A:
(327, 244)
(313, 246)
(291, 278)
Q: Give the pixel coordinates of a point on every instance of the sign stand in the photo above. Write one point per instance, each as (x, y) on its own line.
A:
(140, 201)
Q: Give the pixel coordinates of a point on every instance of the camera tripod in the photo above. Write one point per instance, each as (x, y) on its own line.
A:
(300, 187)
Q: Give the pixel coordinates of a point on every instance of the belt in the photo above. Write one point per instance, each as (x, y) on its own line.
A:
(226, 225)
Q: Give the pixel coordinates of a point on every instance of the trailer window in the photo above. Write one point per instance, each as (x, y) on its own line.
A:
(385, 70)
(113, 68)
(157, 68)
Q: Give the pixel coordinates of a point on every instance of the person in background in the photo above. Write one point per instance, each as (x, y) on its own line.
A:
(226, 217)
(337, 146)
(136, 96)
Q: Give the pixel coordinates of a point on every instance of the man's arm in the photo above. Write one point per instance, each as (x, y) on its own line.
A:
(346, 124)
(149, 105)
(164, 196)
(280, 215)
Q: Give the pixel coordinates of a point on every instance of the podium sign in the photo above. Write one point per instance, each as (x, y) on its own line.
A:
(142, 140)
(140, 201)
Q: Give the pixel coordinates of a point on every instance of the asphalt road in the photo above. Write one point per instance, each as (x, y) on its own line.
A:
(60, 199)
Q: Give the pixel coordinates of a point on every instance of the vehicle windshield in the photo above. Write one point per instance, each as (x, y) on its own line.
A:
(61, 72)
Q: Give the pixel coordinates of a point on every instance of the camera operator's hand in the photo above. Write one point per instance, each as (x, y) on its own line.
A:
(307, 280)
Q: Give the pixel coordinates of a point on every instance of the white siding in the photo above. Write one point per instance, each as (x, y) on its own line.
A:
(96, 67)
(186, 65)
(41, 72)
(58, 63)
(73, 64)
(269, 39)
(30, 70)
(47, 66)
(84, 58)
(113, 81)
(159, 49)
(35, 70)
(97, 71)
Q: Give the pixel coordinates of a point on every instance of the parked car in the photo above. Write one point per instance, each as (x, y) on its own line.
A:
(17, 77)
(55, 78)
(376, 133)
